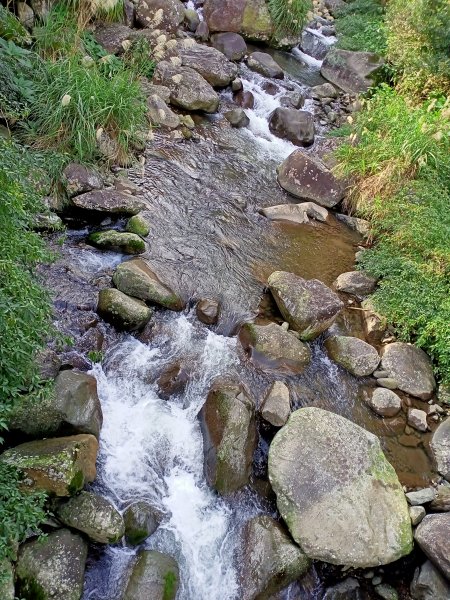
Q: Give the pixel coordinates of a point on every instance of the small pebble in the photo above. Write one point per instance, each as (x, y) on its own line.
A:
(376, 580)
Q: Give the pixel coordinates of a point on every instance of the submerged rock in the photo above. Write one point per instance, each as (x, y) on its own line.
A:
(212, 64)
(410, 367)
(52, 568)
(265, 65)
(276, 406)
(351, 71)
(271, 560)
(110, 201)
(440, 447)
(355, 355)
(172, 380)
(119, 241)
(172, 13)
(433, 537)
(244, 99)
(154, 575)
(208, 311)
(336, 491)
(141, 520)
(357, 283)
(229, 434)
(294, 125)
(231, 44)
(123, 311)
(78, 179)
(429, 584)
(59, 466)
(250, 18)
(309, 306)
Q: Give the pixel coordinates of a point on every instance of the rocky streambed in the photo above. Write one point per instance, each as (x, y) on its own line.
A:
(232, 419)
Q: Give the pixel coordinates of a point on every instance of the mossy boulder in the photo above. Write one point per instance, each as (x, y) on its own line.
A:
(52, 568)
(154, 575)
(229, 433)
(120, 241)
(355, 355)
(337, 493)
(138, 224)
(250, 18)
(6, 580)
(94, 516)
(122, 311)
(136, 278)
(141, 520)
(59, 466)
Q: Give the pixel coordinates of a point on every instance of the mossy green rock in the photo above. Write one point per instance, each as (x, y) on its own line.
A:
(93, 515)
(337, 493)
(154, 575)
(138, 225)
(122, 311)
(136, 278)
(250, 18)
(128, 243)
(141, 520)
(59, 466)
(52, 568)
(6, 580)
(355, 355)
(229, 433)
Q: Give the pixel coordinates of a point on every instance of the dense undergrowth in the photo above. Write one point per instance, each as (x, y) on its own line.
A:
(398, 159)
(289, 16)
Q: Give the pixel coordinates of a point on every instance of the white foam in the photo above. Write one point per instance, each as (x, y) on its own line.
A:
(306, 58)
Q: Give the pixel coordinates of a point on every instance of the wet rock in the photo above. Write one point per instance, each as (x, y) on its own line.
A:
(173, 380)
(293, 100)
(360, 225)
(270, 87)
(339, 497)
(276, 406)
(52, 568)
(111, 36)
(191, 19)
(273, 349)
(160, 114)
(202, 32)
(357, 283)
(138, 224)
(244, 99)
(271, 561)
(210, 63)
(433, 537)
(135, 278)
(385, 591)
(73, 407)
(237, 117)
(207, 311)
(351, 71)
(59, 466)
(172, 13)
(416, 514)
(297, 126)
(428, 584)
(296, 213)
(384, 402)
(154, 575)
(358, 357)
(188, 89)
(122, 311)
(141, 520)
(305, 177)
(236, 85)
(250, 18)
(231, 44)
(265, 65)
(411, 367)
(417, 419)
(94, 516)
(349, 589)
(78, 179)
(440, 447)
(441, 502)
(309, 306)
(128, 243)
(109, 201)
(313, 45)
(228, 425)
(325, 90)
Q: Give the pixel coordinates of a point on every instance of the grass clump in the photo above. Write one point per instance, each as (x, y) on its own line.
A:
(11, 28)
(361, 26)
(289, 16)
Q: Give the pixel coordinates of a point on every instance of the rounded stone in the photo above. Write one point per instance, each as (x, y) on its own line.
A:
(384, 402)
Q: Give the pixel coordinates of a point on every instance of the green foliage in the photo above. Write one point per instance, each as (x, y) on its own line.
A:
(57, 35)
(360, 26)
(289, 16)
(11, 28)
(17, 87)
(95, 356)
(138, 58)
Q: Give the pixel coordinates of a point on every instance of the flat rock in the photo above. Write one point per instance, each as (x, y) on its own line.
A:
(440, 447)
(384, 402)
(122, 311)
(433, 537)
(232, 45)
(294, 125)
(210, 63)
(265, 65)
(351, 71)
(295, 213)
(154, 575)
(410, 367)
(422, 496)
(358, 357)
(110, 201)
(357, 283)
(429, 584)
(78, 179)
(276, 406)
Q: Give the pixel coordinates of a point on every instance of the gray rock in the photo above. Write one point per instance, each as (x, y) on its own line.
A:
(202, 32)
(25, 14)
(109, 201)
(417, 419)
(385, 591)
(384, 402)
(313, 45)
(297, 126)
(111, 36)
(325, 90)
(150, 89)
(416, 514)
(265, 65)
(440, 447)
(351, 71)
(160, 114)
(236, 85)
(357, 283)
(411, 367)
(173, 13)
(250, 18)
(208, 311)
(293, 100)
(6, 580)
(428, 584)
(433, 537)
(387, 382)
(305, 177)
(237, 117)
(191, 19)
(78, 179)
(338, 495)
(355, 355)
(154, 575)
(210, 63)
(94, 516)
(296, 213)
(276, 406)
(422, 496)
(309, 306)
(360, 225)
(141, 520)
(122, 311)
(231, 44)
(334, 6)
(271, 561)
(119, 241)
(441, 502)
(349, 589)
(52, 567)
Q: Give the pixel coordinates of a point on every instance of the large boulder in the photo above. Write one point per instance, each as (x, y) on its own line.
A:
(94, 516)
(141, 520)
(309, 306)
(351, 71)
(357, 283)
(250, 18)
(265, 65)
(122, 311)
(410, 367)
(136, 278)
(274, 349)
(440, 447)
(119, 241)
(160, 114)
(78, 179)
(73, 407)
(231, 44)
(338, 495)
(271, 560)
(109, 201)
(154, 575)
(52, 568)
(59, 466)
(111, 36)
(428, 584)
(355, 355)
(297, 126)
(305, 177)
(313, 45)
(433, 537)
(228, 425)
(209, 62)
(188, 89)
(276, 406)
(296, 213)
(172, 13)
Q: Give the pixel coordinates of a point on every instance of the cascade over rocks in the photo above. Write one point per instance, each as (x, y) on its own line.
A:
(433, 537)
(271, 560)
(237, 117)
(154, 575)
(210, 63)
(410, 367)
(309, 306)
(109, 201)
(337, 493)
(250, 18)
(355, 355)
(305, 177)
(122, 311)
(440, 447)
(265, 65)
(229, 436)
(351, 71)
(172, 13)
(297, 126)
(313, 45)
(231, 44)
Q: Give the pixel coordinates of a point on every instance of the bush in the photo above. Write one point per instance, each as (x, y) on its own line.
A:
(289, 16)
(17, 86)
(360, 27)
(11, 28)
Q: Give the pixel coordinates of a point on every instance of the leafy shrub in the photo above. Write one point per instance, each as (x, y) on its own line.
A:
(289, 16)
(11, 28)
(17, 86)
(360, 26)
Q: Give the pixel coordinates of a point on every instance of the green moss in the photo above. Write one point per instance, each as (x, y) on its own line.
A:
(76, 483)
(138, 225)
(170, 585)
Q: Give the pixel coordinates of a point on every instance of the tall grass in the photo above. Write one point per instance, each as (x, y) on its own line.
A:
(360, 26)
(289, 16)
